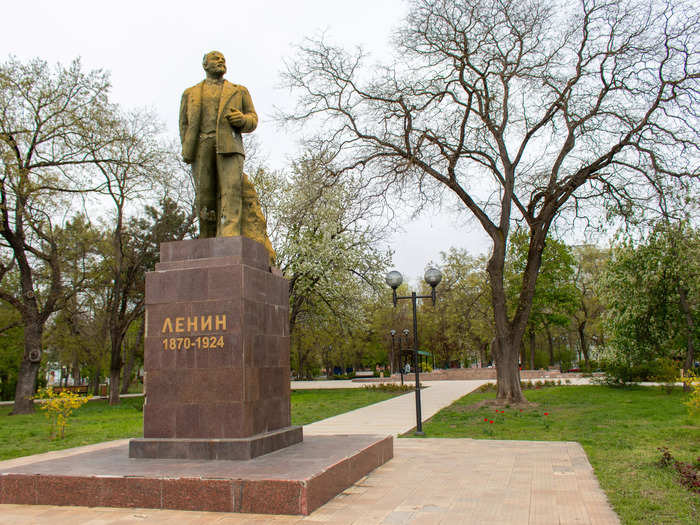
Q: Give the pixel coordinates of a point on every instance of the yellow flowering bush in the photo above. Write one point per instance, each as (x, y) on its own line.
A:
(58, 407)
(692, 383)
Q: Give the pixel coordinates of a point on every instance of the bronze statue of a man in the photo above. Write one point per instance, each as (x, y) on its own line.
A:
(213, 115)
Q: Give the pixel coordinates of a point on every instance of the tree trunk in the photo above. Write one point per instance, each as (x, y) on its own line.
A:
(76, 372)
(584, 341)
(508, 375)
(550, 344)
(128, 368)
(506, 345)
(532, 349)
(96, 385)
(114, 387)
(133, 347)
(26, 376)
(4, 377)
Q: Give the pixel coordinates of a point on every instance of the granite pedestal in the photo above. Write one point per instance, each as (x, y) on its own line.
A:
(294, 480)
(216, 353)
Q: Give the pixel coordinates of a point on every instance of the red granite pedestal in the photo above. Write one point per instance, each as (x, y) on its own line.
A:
(216, 353)
(294, 480)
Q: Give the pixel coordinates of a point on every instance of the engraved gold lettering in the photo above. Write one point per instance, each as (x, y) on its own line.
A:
(179, 324)
(206, 323)
(192, 323)
(221, 322)
(167, 326)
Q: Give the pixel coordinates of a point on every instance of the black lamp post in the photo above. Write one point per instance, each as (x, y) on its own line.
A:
(391, 362)
(433, 276)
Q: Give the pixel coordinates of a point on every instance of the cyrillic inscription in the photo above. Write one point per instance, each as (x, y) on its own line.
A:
(189, 324)
(197, 323)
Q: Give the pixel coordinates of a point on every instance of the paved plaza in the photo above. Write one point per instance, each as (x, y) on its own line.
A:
(429, 481)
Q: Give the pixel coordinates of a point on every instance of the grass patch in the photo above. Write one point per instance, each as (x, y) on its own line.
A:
(313, 405)
(621, 430)
(97, 421)
(93, 423)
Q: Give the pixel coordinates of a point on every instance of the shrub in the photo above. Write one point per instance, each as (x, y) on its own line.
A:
(661, 369)
(665, 370)
(58, 408)
(388, 387)
(692, 383)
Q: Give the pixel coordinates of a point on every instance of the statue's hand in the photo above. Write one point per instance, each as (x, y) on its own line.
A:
(235, 118)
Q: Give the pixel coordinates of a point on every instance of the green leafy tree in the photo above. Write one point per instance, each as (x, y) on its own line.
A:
(460, 325)
(530, 110)
(128, 253)
(652, 294)
(556, 297)
(75, 336)
(384, 317)
(590, 265)
(11, 344)
(79, 335)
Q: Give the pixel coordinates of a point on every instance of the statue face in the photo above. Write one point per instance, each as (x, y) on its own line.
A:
(215, 63)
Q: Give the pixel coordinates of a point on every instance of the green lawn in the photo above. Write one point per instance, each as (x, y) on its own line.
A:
(97, 421)
(620, 430)
(313, 405)
(93, 423)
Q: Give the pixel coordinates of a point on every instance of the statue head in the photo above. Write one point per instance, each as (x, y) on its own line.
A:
(214, 63)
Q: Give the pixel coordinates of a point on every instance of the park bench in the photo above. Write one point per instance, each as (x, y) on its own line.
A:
(78, 389)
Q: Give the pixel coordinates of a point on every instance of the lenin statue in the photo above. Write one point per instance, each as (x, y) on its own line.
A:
(213, 115)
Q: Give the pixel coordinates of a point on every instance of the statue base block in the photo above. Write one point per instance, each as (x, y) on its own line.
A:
(216, 353)
(241, 448)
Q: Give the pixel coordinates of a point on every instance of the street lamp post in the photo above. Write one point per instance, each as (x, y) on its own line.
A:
(391, 362)
(433, 278)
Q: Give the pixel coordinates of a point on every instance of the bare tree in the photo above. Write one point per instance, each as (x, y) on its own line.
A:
(142, 163)
(524, 110)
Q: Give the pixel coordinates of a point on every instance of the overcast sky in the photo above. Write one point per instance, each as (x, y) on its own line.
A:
(154, 49)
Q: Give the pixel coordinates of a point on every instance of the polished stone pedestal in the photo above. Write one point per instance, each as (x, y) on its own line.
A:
(293, 480)
(216, 354)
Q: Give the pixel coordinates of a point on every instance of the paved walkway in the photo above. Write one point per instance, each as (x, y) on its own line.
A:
(429, 481)
(394, 416)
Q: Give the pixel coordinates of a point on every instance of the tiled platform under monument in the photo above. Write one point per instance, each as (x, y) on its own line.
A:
(293, 480)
